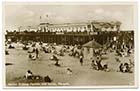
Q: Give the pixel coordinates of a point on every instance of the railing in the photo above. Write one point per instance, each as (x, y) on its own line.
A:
(57, 33)
(64, 33)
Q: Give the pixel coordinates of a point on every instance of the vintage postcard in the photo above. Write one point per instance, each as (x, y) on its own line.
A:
(88, 45)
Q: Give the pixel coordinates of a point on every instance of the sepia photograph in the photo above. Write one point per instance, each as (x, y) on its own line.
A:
(69, 44)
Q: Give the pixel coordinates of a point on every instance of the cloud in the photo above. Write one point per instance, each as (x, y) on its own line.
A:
(28, 20)
(99, 11)
(30, 14)
(108, 13)
(118, 13)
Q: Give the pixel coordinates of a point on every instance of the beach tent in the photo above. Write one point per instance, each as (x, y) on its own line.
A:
(93, 44)
(90, 47)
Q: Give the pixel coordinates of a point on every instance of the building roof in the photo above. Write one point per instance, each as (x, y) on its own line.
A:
(92, 44)
(97, 26)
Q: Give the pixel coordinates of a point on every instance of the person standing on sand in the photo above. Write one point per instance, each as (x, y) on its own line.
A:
(81, 60)
(37, 52)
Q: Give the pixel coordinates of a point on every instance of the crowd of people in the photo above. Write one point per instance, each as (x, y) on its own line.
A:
(30, 76)
(35, 48)
(97, 64)
(126, 67)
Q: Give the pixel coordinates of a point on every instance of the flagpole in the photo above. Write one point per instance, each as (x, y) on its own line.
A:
(47, 17)
(40, 19)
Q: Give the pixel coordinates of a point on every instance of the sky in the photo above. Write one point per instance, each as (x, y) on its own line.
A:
(28, 14)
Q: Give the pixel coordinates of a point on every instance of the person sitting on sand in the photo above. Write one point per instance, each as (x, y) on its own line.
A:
(121, 67)
(11, 46)
(93, 65)
(98, 62)
(126, 67)
(28, 74)
(61, 53)
(6, 52)
(57, 64)
(47, 79)
(54, 58)
(31, 50)
(105, 67)
(69, 71)
(37, 77)
(25, 47)
(32, 57)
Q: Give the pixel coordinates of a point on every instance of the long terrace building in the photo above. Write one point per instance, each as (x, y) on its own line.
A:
(67, 33)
